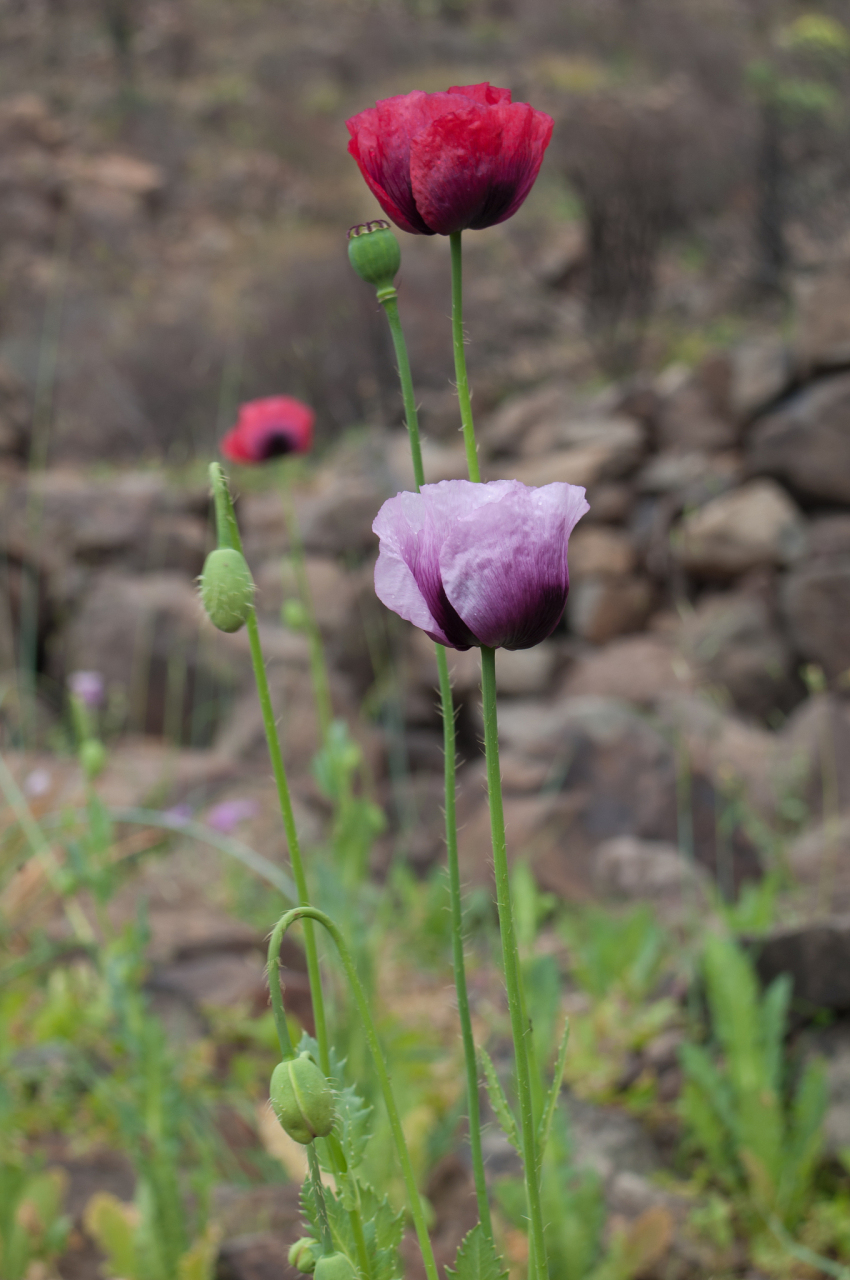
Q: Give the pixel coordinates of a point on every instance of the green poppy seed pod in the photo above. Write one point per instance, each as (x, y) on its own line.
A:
(227, 589)
(334, 1266)
(302, 1099)
(293, 615)
(303, 1255)
(374, 254)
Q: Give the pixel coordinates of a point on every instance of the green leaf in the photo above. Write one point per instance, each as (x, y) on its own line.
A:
(477, 1259)
(352, 1125)
(545, 1125)
(499, 1102)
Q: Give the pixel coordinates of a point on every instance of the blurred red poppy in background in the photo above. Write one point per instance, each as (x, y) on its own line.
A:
(269, 428)
(444, 162)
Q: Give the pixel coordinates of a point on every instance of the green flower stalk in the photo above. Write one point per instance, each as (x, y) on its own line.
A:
(373, 257)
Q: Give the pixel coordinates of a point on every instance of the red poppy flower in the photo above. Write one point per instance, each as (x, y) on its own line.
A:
(269, 428)
(444, 162)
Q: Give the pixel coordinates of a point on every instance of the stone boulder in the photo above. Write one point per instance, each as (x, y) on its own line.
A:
(806, 442)
(753, 526)
(816, 604)
(822, 339)
(583, 451)
(732, 642)
(816, 956)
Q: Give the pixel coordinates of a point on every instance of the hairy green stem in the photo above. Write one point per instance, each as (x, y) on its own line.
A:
(230, 533)
(390, 305)
(308, 914)
(319, 1192)
(473, 1103)
(510, 956)
(461, 377)
(449, 753)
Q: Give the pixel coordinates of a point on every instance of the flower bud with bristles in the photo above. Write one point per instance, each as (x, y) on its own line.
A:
(304, 1254)
(302, 1099)
(227, 589)
(334, 1266)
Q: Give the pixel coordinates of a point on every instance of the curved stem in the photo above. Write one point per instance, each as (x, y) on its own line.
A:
(230, 530)
(510, 957)
(308, 914)
(461, 377)
(458, 964)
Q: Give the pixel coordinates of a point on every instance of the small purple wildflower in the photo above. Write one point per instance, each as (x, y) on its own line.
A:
(88, 686)
(178, 814)
(38, 783)
(478, 564)
(225, 817)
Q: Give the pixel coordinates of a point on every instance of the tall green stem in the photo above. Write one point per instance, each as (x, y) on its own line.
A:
(228, 532)
(461, 377)
(510, 956)
(449, 753)
(309, 914)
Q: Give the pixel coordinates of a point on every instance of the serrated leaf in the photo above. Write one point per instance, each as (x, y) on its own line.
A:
(499, 1102)
(545, 1126)
(352, 1125)
(477, 1258)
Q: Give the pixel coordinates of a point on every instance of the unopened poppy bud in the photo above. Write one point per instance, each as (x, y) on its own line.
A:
(293, 615)
(374, 254)
(303, 1255)
(302, 1099)
(227, 589)
(92, 757)
(334, 1266)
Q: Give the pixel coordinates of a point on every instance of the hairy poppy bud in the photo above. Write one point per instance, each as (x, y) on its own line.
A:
(302, 1099)
(334, 1266)
(303, 1255)
(92, 757)
(374, 254)
(227, 589)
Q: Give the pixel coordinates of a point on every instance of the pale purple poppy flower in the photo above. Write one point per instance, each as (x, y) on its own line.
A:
(225, 817)
(38, 783)
(478, 564)
(88, 686)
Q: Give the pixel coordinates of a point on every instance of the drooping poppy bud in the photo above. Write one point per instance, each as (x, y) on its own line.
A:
(304, 1254)
(478, 564)
(269, 428)
(92, 757)
(374, 253)
(335, 1266)
(302, 1099)
(227, 589)
(444, 162)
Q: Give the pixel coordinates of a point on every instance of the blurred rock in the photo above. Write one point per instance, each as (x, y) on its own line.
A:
(610, 503)
(732, 641)
(761, 370)
(816, 605)
(597, 551)
(691, 414)
(806, 443)
(822, 338)
(630, 868)
(582, 451)
(600, 608)
(638, 669)
(147, 636)
(820, 859)
(439, 461)
(337, 518)
(755, 525)
(816, 956)
(813, 755)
